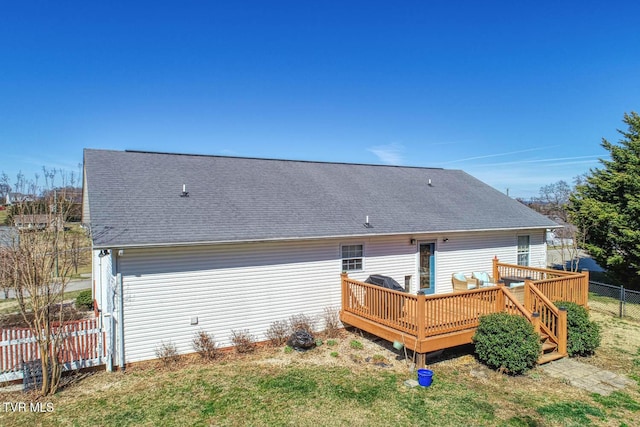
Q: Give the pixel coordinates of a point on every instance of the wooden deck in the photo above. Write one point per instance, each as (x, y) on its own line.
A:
(429, 323)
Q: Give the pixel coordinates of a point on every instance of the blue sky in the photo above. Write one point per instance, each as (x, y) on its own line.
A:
(518, 94)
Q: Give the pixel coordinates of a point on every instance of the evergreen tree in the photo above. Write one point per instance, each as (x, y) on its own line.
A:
(606, 206)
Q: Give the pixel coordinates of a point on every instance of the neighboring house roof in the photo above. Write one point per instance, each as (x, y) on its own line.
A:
(34, 221)
(11, 198)
(134, 199)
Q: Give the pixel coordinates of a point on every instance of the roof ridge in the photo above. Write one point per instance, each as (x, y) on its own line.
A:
(275, 159)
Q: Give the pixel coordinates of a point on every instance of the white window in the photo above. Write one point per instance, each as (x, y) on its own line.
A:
(352, 257)
(523, 250)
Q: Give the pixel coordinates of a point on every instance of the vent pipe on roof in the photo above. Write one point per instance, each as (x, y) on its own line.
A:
(185, 193)
(430, 185)
(366, 222)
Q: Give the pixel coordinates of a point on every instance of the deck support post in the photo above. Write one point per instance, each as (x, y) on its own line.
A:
(535, 321)
(496, 271)
(527, 295)
(420, 325)
(562, 331)
(500, 299)
(343, 289)
(421, 360)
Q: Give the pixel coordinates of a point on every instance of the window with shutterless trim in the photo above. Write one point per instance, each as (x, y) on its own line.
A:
(352, 256)
(524, 249)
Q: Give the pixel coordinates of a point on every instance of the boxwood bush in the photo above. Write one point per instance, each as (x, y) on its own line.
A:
(583, 335)
(84, 300)
(507, 342)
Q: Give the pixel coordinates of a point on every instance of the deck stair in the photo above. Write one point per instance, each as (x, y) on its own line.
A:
(549, 350)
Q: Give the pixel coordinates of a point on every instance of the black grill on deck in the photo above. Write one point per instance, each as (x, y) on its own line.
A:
(384, 282)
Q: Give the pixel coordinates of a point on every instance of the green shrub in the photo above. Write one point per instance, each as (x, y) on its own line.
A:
(507, 342)
(84, 300)
(583, 335)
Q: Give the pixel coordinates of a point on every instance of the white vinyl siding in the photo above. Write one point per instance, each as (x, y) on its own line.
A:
(238, 286)
(469, 252)
(227, 287)
(251, 285)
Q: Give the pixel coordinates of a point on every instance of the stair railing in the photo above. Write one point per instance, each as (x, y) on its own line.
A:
(553, 320)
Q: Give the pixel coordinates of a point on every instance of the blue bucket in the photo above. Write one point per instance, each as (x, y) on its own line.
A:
(425, 377)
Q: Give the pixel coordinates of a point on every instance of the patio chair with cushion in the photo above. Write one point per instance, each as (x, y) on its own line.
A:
(462, 283)
(483, 279)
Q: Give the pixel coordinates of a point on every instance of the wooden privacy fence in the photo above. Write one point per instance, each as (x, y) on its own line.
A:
(82, 346)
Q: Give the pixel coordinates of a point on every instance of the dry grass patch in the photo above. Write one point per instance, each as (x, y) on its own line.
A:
(271, 387)
(620, 344)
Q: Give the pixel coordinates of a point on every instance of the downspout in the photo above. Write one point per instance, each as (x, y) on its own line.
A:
(121, 363)
(104, 316)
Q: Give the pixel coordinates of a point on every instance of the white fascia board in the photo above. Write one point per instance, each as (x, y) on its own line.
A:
(294, 239)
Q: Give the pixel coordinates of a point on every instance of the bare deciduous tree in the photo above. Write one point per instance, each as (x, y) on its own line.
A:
(5, 187)
(42, 260)
(553, 201)
(7, 277)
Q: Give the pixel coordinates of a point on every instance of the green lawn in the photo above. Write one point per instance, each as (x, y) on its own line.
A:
(276, 388)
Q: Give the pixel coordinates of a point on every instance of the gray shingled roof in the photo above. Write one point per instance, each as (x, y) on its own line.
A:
(134, 199)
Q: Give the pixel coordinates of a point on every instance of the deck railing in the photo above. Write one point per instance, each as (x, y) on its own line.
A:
(447, 313)
(426, 316)
(552, 320)
(513, 306)
(572, 288)
(384, 306)
(556, 285)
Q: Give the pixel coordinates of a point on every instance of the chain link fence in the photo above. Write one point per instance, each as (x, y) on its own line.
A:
(614, 300)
